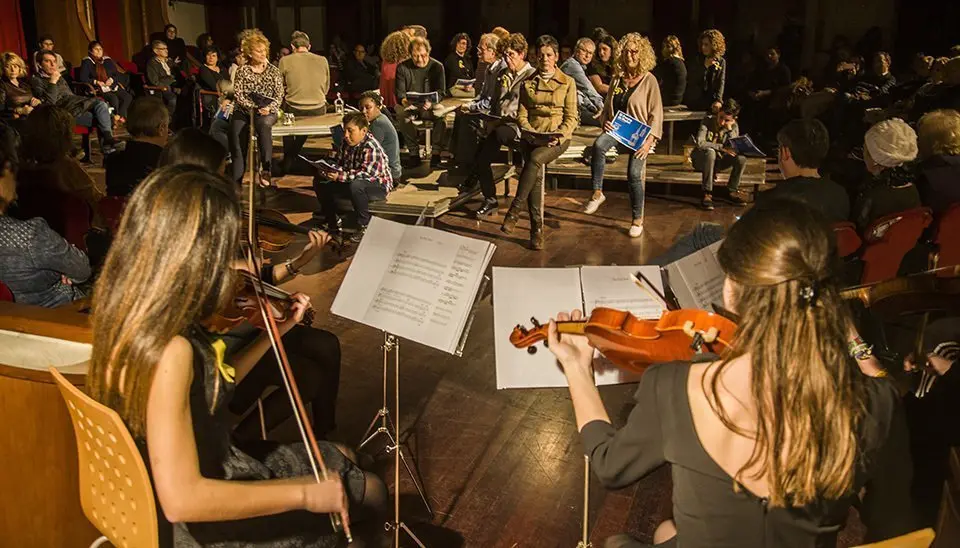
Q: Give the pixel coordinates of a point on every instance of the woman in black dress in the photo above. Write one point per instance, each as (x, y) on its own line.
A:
(99, 70)
(165, 374)
(771, 443)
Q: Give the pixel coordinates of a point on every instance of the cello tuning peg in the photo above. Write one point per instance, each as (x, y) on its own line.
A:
(531, 350)
(535, 323)
(523, 330)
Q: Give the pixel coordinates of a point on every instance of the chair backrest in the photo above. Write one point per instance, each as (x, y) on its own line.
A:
(5, 294)
(916, 539)
(848, 241)
(111, 209)
(115, 490)
(888, 239)
(948, 245)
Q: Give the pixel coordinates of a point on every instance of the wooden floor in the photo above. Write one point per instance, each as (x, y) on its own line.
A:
(502, 468)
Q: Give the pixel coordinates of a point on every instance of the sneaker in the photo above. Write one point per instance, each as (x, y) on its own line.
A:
(738, 198)
(707, 202)
(358, 235)
(594, 204)
(488, 207)
(636, 231)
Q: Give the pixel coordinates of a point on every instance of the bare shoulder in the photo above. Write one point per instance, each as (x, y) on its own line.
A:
(176, 360)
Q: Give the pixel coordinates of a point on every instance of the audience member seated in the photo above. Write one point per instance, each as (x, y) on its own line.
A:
(707, 73)
(505, 103)
(360, 74)
(938, 173)
(179, 55)
(220, 126)
(846, 74)
(803, 146)
(363, 174)
(237, 60)
(101, 72)
(37, 264)
(164, 73)
(878, 82)
(258, 86)
(601, 70)
(421, 74)
(394, 50)
(17, 98)
(382, 129)
(589, 101)
(49, 86)
(210, 74)
(719, 423)
(459, 66)
(149, 125)
(467, 129)
(51, 183)
(306, 77)
(194, 147)
(548, 105)
(635, 92)
(714, 153)
(765, 82)
(887, 146)
(45, 43)
(672, 72)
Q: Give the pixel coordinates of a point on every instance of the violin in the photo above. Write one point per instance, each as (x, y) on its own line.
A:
(275, 232)
(936, 290)
(244, 307)
(633, 344)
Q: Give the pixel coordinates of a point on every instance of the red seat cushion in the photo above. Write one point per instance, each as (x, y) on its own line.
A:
(5, 293)
(947, 240)
(848, 241)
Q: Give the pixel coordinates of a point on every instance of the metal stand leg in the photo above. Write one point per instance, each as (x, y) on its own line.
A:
(388, 429)
(585, 541)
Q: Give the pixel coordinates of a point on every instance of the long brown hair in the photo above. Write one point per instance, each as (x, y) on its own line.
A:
(168, 267)
(809, 395)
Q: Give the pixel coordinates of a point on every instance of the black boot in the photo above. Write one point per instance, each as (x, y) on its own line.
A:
(489, 206)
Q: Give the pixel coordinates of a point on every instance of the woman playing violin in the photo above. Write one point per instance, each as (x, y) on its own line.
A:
(168, 271)
(772, 442)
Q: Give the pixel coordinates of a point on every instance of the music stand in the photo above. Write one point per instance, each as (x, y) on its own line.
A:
(585, 539)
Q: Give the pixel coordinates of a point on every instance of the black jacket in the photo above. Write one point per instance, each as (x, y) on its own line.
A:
(87, 73)
(125, 169)
(705, 86)
(59, 94)
(156, 76)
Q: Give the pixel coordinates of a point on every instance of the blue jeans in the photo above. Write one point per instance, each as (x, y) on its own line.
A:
(360, 191)
(704, 235)
(708, 161)
(634, 171)
(99, 114)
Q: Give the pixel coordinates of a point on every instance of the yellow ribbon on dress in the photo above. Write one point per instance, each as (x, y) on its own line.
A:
(220, 351)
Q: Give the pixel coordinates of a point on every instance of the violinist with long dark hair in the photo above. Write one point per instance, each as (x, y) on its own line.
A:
(773, 442)
(168, 271)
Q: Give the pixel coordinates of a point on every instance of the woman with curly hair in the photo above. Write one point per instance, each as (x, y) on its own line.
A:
(258, 86)
(634, 91)
(393, 51)
(672, 72)
(601, 70)
(707, 73)
(459, 66)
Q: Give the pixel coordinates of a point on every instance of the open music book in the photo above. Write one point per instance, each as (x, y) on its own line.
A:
(415, 282)
(522, 293)
(419, 99)
(697, 279)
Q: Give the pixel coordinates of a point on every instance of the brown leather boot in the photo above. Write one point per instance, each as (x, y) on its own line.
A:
(536, 240)
(510, 220)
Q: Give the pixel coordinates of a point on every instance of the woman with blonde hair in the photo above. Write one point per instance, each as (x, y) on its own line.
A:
(633, 91)
(258, 87)
(16, 97)
(672, 72)
(394, 50)
(771, 443)
(163, 372)
(938, 173)
(707, 73)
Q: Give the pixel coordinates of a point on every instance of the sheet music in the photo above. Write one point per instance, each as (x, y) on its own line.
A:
(697, 279)
(415, 282)
(519, 293)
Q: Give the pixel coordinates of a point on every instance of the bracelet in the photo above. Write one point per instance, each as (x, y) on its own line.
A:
(881, 374)
(859, 349)
(290, 269)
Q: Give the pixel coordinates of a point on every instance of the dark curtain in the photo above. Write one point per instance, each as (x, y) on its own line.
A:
(11, 28)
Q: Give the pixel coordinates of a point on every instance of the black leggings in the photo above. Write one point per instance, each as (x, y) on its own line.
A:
(314, 356)
(120, 101)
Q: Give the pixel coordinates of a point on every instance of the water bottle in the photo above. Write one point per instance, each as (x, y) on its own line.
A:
(338, 105)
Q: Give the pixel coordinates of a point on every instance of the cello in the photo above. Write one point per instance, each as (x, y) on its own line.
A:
(269, 322)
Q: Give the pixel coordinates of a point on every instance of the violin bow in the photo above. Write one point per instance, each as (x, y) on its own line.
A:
(317, 464)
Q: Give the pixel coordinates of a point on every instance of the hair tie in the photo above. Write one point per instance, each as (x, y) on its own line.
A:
(810, 294)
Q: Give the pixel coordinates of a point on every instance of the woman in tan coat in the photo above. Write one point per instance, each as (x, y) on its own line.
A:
(634, 91)
(547, 115)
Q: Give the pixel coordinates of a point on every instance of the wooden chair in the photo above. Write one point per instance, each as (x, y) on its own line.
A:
(888, 239)
(916, 539)
(115, 490)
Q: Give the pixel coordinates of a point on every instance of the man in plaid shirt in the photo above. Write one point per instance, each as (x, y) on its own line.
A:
(362, 172)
